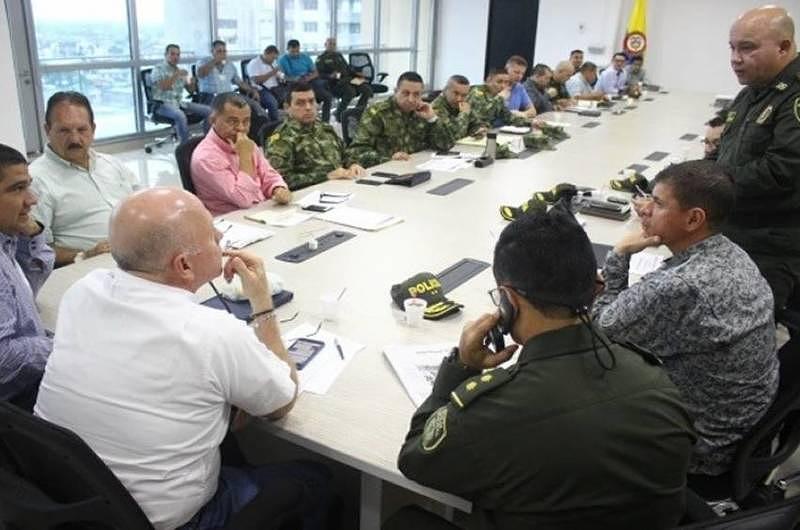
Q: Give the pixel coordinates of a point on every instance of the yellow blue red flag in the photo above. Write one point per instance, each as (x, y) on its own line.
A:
(635, 42)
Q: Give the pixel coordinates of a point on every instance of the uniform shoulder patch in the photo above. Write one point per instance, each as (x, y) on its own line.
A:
(275, 137)
(478, 385)
(435, 430)
(797, 109)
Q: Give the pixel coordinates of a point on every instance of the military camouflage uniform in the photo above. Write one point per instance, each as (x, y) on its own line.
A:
(491, 110)
(305, 154)
(328, 63)
(460, 124)
(385, 129)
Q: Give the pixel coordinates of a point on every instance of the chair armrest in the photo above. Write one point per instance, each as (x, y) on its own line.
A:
(381, 76)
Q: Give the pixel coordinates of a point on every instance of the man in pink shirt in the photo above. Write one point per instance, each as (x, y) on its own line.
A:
(229, 171)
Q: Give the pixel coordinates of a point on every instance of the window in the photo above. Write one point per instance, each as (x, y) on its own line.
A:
(394, 64)
(183, 22)
(425, 41)
(309, 5)
(396, 24)
(314, 21)
(355, 21)
(309, 27)
(246, 26)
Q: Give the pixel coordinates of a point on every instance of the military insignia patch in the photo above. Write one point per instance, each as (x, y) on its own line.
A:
(731, 116)
(781, 86)
(274, 137)
(435, 430)
(797, 109)
(764, 116)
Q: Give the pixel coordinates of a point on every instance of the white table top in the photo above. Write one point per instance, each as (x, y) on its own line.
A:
(363, 419)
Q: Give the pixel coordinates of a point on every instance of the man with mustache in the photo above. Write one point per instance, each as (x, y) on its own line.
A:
(77, 187)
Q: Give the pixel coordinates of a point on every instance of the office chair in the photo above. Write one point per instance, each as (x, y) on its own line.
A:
(350, 119)
(150, 112)
(266, 131)
(782, 515)
(50, 478)
(361, 63)
(757, 457)
(430, 95)
(243, 65)
(183, 156)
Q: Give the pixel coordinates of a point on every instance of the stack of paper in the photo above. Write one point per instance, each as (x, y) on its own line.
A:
(323, 198)
(279, 217)
(417, 366)
(515, 129)
(450, 164)
(358, 218)
(237, 235)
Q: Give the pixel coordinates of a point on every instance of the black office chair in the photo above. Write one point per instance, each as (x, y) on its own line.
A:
(430, 95)
(782, 515)
(756, 457)
(183, 156)
(243, 65)
(361, 63)
(153, 104)
(350, 119)
(266, 131)
(50, 478)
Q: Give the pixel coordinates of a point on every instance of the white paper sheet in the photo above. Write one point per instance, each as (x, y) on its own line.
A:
(450, 164)
(644, 262)
(320, 373)
(281, 218)
(237, 235)
(416, 366)
(359, 218)
(323, 198)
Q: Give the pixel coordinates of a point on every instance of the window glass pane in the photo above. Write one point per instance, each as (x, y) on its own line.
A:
(425, 39)
(355, 21)
(394, 64)
(81, 30)
(182, 22)
(109, 90)
(309, 22)
(246, 26)
(396, 24)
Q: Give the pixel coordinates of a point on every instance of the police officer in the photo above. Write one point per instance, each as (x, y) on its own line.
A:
(305, 150)
(760, 148)
(579, 432)
(395, 128)
(453, 109)
(488, 101)
(344, 83)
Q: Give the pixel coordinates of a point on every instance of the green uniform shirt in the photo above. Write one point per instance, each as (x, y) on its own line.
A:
(329, 63)
(305, 154)
(491, 110)
(555, 441)
(760, 149)
(459, 124)
(385, 129)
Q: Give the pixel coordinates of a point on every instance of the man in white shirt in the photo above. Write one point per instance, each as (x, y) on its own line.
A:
(147, 376)
(579, 85)
(267, 78)
(614, 79)
(77, 187)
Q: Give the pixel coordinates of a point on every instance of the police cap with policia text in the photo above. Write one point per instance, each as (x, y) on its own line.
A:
(427, 286)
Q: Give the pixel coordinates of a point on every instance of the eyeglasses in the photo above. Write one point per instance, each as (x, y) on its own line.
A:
(495, 295)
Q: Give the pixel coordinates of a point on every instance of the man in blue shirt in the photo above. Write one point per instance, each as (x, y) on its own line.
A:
(518, 102)
(25, 263)
(614, 79)
(298, 66)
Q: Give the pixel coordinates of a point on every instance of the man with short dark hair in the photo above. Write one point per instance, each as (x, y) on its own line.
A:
(518, 101)
(216, 75)
(298, 66)
(614, 79)
(537, 85)
(399, 126)
(579, 85)
(760, 148)
(25, 263)
(576, 59)
(228, 169)
(706, 312)
(76, 187)
(578, 432)
(487, 101)
(266, 77)
(305, 150)
(342, 80)
(168, 82)
(453, 108)
(635, 71)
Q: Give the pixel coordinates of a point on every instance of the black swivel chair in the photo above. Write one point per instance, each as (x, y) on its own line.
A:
(350, 119)
(243, 65)
(361, 63)
(153, 104)
(782, 515)
(183, 156)
(50, 478)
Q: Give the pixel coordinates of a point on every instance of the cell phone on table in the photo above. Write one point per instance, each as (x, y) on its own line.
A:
(302, 350)
(317, 208)
(448, 153)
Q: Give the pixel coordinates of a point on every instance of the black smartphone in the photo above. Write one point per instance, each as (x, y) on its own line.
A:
(302, 350)
(448, 153)
(495, 340)
(317, 208)
(384, 174)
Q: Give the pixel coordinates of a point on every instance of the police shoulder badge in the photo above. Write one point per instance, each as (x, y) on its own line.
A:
(764, 116)
(797, 109)
(435, 430)
(781, 86)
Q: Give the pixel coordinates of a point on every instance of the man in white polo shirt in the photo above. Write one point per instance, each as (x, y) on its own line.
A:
(147, 376)
(77, 187)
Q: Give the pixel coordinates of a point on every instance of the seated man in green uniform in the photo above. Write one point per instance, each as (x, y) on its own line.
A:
(305, 150)
(453, 109)
(344, 83)
(488, 101)
(579, 433)
(396, 127)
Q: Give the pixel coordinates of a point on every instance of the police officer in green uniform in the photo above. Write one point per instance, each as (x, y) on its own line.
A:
(579, 432)
(344, 83)
(452, 107)
(395, 128)
(760, 149)
(304, 150)
(488, 101)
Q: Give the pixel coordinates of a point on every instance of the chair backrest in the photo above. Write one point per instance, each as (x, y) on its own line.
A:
(782, 515)
(147, 86)
(362, 63)
(49, 476)
(243, 66)
(756, 457)
(350, 119)
(183, 156)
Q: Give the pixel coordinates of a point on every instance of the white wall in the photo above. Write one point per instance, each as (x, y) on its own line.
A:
(462, 28)
(11, 119)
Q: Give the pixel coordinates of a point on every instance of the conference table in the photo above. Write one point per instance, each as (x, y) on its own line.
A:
(363, 418)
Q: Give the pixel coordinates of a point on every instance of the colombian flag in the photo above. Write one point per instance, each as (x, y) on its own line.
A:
(635, 42)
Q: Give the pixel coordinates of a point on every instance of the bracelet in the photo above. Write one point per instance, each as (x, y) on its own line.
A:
(254, 316)
(265, 317)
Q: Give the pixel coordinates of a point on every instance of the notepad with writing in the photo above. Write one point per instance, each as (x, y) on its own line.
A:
(359, 218)
(278, 218)
(237, 235)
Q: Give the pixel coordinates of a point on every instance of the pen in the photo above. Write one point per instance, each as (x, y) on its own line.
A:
(339, 348)
(221, 299)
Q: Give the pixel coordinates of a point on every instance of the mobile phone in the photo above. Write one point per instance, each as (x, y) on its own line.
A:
(494, 339)
(491, 145)
(302, 350)
(317, 208)
(448, 153)
(384, 174)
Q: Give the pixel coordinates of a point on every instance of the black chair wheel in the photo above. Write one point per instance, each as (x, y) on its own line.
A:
(148, 150)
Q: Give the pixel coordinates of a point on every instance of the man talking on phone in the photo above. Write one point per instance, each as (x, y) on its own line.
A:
(229, 171)
(578, 432)
(403, 124)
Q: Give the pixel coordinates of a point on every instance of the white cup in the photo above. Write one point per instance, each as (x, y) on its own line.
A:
(415, 310)
(329, 307)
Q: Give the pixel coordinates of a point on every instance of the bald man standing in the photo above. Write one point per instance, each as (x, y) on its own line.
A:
(760, 148)
(147, 376)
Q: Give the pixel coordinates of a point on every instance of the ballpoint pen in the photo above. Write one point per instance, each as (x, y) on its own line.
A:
(221, 298)
(339, 348)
